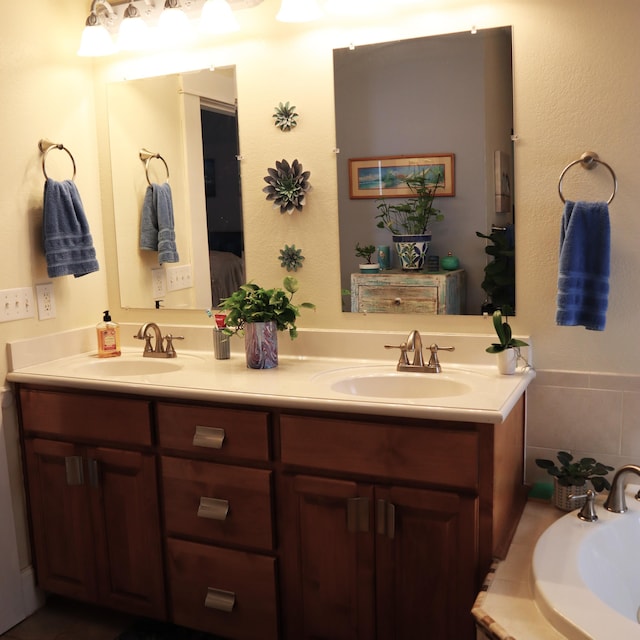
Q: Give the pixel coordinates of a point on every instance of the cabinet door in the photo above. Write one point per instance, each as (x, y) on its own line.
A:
(328, 566)
(124, 508)
(61, 529)
(426, 556)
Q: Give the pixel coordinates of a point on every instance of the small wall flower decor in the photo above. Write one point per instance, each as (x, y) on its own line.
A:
(285, 117)
(291, 258)
(287, 186)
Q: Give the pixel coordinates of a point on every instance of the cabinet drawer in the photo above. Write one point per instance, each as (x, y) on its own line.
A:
(398, 299)
(446, 457)
(86, 417)
(217, 502)
(219, 433)
(230, 593)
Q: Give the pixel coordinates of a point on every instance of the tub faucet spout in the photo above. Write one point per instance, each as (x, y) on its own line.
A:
(615, 501)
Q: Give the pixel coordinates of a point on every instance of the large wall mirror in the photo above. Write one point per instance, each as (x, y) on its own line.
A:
(449, 94)
(190, 121)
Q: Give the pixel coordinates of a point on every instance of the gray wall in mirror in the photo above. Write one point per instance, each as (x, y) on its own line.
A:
(190, 119)
(441, 94)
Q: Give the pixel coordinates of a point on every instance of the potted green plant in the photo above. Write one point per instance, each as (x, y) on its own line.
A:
(409, 221)
(570, 476)
(258, 314)
(508, 347)
(499, 273)
(366, 252)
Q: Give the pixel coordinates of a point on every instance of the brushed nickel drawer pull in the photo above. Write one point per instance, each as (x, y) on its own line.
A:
(213, 508)
(73, 469)
(358, 515)
(386, 519)
(211, 437)
(220, 599)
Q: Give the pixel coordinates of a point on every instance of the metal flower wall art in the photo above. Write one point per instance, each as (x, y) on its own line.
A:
(287, 186)
(291, 258)
(285, 117)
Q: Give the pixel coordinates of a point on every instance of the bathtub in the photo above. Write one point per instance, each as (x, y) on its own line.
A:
(586, 575)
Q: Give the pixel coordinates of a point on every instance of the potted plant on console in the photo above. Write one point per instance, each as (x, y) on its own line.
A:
(409, 220)
(570, 477)
(258, 314)
(508, 347)
(366, 252)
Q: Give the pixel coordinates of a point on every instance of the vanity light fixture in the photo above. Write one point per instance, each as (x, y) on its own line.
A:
(299, 11)
(217, 17)
(173, 25)
(133, 34)
(96, 40)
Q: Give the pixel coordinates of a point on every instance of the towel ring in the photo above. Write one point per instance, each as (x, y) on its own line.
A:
(588, 160)
(45, 146)
(147, 157)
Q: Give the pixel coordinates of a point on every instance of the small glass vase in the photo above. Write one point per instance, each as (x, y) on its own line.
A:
(261, 345)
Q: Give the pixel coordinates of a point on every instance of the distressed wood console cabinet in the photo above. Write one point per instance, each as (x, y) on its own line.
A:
(252, 522)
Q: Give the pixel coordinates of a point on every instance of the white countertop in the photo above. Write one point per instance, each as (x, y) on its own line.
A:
(299, 381)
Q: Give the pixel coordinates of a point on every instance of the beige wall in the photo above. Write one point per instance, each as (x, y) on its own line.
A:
(576, 68)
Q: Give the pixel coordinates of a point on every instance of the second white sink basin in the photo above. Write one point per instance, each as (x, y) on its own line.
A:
(128, 365)
(401, 385)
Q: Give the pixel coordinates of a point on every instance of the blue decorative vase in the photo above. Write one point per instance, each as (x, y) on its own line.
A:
(261, 344)
(412, 251)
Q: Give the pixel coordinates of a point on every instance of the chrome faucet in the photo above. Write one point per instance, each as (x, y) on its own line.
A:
(159, 350)
(615, 501)
(414, 344)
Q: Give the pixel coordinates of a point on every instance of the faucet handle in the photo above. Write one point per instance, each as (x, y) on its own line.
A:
(588, 511)
(434, 363)
(404, 359)
(170, 349)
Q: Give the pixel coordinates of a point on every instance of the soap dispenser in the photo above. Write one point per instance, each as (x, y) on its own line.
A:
(108, 337)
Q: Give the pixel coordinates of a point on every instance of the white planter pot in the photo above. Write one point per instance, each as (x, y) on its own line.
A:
(507, 361)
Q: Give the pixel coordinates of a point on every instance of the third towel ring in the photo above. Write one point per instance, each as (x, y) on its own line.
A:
(588, 160)
(147, 156)
(45, 146)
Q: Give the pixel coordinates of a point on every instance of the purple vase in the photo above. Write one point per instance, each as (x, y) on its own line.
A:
(261, 345)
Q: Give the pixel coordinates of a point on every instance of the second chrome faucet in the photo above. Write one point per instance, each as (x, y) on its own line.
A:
(414, 345)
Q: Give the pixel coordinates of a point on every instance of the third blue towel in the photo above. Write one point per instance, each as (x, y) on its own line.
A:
(157, 231)
(583, 272)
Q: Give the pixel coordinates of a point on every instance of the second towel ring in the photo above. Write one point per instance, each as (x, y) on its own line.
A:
(588, 160)
(147, 156)
(45, 146)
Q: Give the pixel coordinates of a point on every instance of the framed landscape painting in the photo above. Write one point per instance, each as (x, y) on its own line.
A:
(385, 177)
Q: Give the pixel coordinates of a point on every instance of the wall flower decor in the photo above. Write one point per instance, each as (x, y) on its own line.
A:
(285, 117)
(291, 258)
(287, 186)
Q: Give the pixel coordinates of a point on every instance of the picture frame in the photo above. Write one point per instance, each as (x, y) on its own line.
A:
(383, 177)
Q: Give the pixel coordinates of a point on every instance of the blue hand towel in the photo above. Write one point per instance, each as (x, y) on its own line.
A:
(68, 245)
(157, 231)
(583, 274)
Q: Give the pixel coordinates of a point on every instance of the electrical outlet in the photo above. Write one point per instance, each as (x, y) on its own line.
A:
(158, 283)
(16, 304)
(46, 301)
(179, 277)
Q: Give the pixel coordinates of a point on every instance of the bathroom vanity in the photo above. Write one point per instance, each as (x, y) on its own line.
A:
(262, 513)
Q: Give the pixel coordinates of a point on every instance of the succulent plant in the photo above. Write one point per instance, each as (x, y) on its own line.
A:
(285, 117)
(287, 186)
(291, 258)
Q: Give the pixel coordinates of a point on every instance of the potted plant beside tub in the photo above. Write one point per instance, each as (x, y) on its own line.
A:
(366, 252)
(570, 476)
(508, 347)
(409, 220)
(258, 314)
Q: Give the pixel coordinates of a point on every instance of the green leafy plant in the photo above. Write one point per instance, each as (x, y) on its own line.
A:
(287, 186)
(252, 303)
(285, 116)
(413, 216)
(365, 252)
(570, 473)
(504, 333)
(500, 273)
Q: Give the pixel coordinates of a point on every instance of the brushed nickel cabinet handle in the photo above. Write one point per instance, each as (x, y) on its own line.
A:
(213, 508)
(358, 515)
(220, 599)
(94, 477)
(385, 519)
(210, 437)
(73, 470)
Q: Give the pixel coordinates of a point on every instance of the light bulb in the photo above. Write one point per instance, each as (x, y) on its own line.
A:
(173, 24)
(95, 39)
(133, 34)
(217, 17)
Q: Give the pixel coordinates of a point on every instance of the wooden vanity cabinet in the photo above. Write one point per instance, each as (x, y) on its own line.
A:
(389, 526)
(217, 485)
(92, 490)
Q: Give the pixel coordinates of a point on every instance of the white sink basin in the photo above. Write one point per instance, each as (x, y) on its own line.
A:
(400, 385)
(128, 365)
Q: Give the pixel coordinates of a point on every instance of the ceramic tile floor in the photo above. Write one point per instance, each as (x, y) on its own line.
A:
(63, 620)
